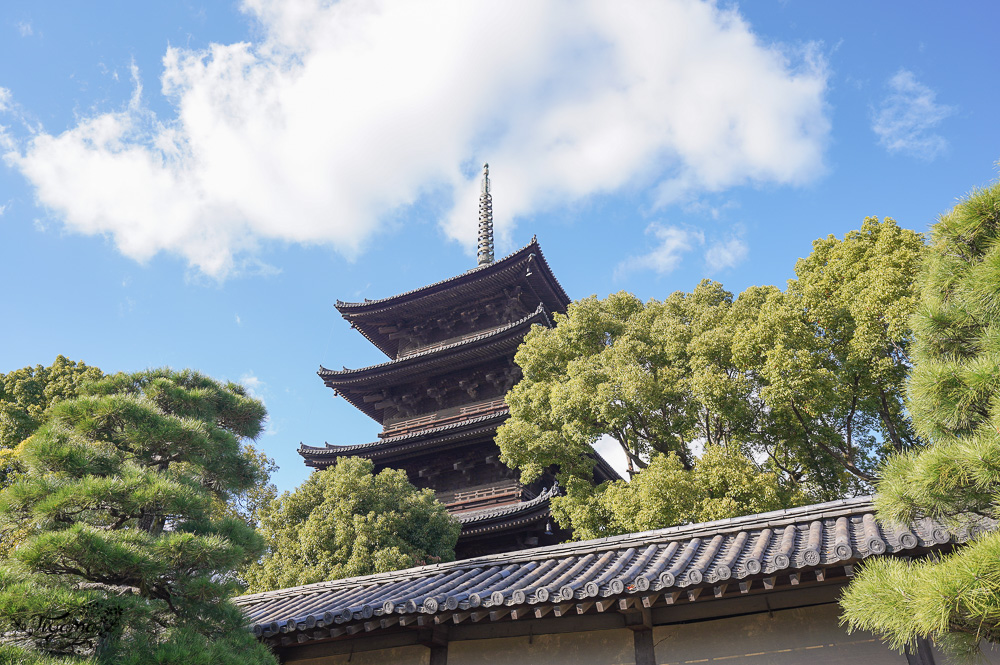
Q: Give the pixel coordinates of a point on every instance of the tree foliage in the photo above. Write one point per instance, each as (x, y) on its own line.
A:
(630, 370)
(954, 398)
(723, 483)
(802, 385)
(830, 356)
(26, 393)
(346, 521)
(124, 560)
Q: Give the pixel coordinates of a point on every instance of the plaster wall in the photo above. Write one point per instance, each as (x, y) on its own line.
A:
(412, 655)
(599, 647)
(810, 635)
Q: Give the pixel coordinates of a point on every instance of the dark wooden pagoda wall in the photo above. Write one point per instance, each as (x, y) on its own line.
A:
(465, 473)
(463, 476)
(415, 332)
(447, 391)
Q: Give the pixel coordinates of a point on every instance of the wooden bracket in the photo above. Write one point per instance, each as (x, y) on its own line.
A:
(639, 620)
(542, 611)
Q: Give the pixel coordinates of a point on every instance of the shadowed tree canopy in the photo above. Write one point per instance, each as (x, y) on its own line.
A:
(124, 560)
(954, 397)
(346, 521)
(803, 386)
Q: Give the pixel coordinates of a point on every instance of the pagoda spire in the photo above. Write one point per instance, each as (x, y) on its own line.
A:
(485, 220)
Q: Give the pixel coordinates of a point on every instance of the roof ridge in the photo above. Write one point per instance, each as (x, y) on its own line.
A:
(506, 509)
(367, 303)
(473, 420)
(774, 518)
(539, 311)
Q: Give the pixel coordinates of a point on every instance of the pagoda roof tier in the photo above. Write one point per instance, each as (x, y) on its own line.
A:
(510, 516)
(392, 449)
(354, 384)
(527, 264)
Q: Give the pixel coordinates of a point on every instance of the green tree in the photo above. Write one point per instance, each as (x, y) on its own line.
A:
(803, 385)
(653, 376)
(830, 355)
(249, 504)
(125, 561)
(659, 378)
(347, 521)
(26, 393)
(723, 483)
(954, 398)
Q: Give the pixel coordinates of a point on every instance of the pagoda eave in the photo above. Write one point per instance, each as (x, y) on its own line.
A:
(355, 385)
(527, 265)
(393, 449)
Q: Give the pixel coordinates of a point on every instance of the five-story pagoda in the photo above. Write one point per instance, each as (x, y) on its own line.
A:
(440, 396)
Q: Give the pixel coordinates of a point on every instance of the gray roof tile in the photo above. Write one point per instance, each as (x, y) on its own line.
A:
(663, 561)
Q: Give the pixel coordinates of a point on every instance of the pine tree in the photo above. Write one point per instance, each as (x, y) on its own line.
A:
(125, 560)
(25, 394)
(954, 398)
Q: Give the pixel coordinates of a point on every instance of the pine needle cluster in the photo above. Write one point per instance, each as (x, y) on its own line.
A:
(123, 558)
(954, 399)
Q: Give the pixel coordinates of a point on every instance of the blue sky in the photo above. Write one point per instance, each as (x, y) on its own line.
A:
(195, 184)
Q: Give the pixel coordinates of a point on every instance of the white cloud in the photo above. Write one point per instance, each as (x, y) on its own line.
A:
(906, 118)
(239, 321)
(673, 243)
(726, 253)
(3, 209)
(254, 385)
(24, 27)
(346, 113)
(4, 99)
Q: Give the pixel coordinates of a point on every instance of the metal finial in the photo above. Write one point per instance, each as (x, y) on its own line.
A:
(485, 220)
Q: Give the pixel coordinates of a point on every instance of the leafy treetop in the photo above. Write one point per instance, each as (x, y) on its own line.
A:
(26, 393)
(804, 385)
(346, 521)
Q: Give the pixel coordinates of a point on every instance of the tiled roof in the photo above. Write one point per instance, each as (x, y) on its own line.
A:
(508, 510)
(355, 383)
(390, 442)
(323, 456)
(527, 263)
(344, 376)
(655, 567)
(531, 247)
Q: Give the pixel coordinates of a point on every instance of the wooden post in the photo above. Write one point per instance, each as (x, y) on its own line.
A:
(439, 655)
(437, 641)
(644, 654)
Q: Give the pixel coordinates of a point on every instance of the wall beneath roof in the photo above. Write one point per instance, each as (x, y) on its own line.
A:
(805, 635)
(599, 647)
(412, 655)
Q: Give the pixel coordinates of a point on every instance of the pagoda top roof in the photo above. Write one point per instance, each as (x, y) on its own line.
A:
(527, 263)
(487, 345)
